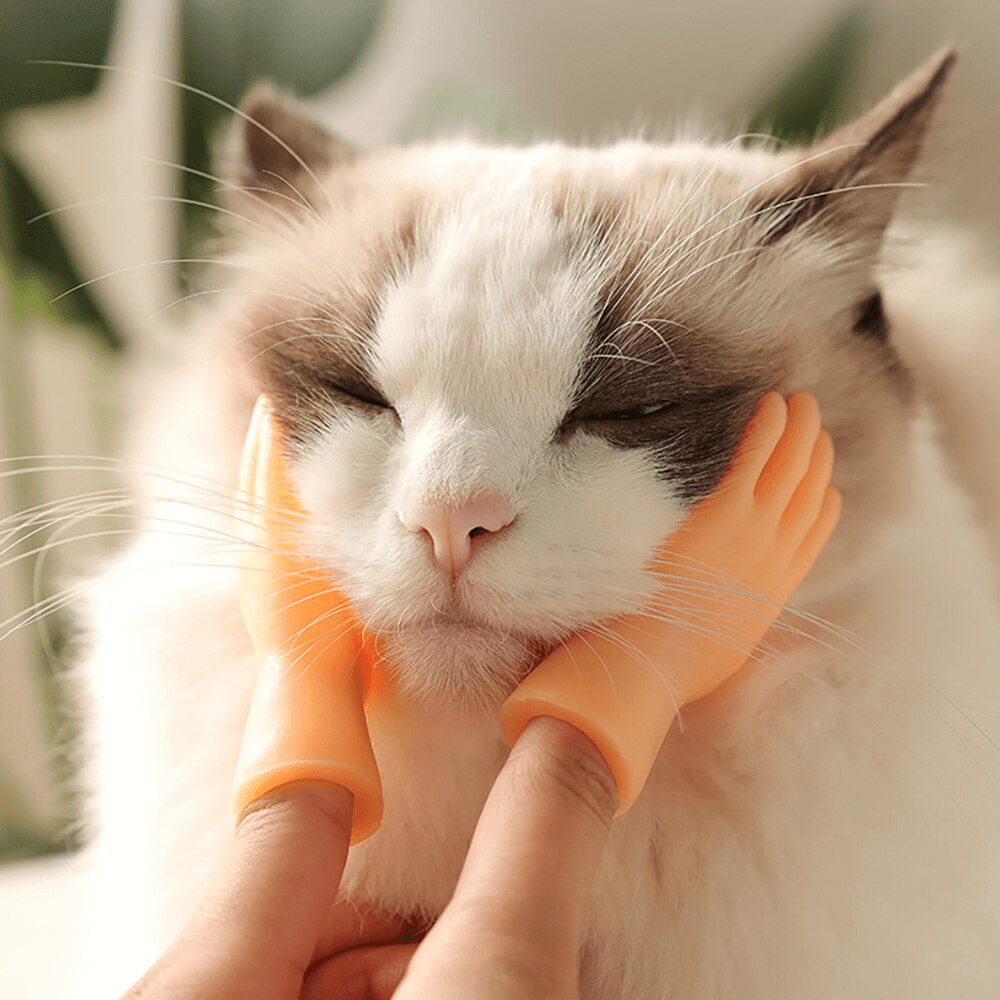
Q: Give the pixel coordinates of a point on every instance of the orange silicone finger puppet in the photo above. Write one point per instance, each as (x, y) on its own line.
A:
(307, 716)
(726, 573)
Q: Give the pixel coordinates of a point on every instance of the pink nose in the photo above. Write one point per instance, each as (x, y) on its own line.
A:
(452, 529)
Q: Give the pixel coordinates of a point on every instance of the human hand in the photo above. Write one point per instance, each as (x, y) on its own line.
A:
(270, 928)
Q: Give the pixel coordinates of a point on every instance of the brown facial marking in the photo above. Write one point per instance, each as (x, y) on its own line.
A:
(639, 356)
(691, 442)
(313, 359)
(309, 367)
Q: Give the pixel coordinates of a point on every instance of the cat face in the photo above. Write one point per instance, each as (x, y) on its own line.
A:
(540, 358)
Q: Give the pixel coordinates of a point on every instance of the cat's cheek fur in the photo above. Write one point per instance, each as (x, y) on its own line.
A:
(569, 557)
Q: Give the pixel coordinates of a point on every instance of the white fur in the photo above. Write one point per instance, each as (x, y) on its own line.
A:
(825, 832)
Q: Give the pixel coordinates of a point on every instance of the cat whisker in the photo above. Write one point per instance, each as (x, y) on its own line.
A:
(189, 88)
(201, 293)
(263, 197)
(856, 647)
(765, 140)
(646, 324)
(669, 260)
(661, 672)
(230, 499)
(799, 199)
(289, 320)
(29, 517)
(747, 192)
(339, 338)
(656, 292)
(110, 533)
(67, 596)
(62, 515)
(726, 591)
(622, 356)
(698, 186)
(170, 199)
(298, 666)
(715, 585)
(20, 534)
(688, 276)
(296, 192)
(150, 263)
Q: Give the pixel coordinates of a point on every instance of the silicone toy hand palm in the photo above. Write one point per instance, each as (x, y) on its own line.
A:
(307, 716)
(729, 568)
(728, 571)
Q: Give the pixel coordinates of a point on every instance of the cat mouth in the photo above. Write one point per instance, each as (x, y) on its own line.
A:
(464, 661)
(463, 617)
(457, 621)
(458, 610)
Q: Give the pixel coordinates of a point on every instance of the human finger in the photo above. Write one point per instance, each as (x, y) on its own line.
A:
(512, 928)
(369, 973)
(254, 935)
(292, 843)
(349, 925)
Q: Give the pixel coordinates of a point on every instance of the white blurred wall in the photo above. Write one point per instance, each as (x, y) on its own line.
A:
(593, 68)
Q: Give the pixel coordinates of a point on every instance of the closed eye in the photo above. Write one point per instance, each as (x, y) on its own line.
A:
(366, 397)
(634, 413)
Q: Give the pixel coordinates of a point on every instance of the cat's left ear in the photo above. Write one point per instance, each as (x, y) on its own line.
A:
(277, 155)
(849, 182)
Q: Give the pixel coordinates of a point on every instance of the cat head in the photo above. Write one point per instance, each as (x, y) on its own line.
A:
(504, 374)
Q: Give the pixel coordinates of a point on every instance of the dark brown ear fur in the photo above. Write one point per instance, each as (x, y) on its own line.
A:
(851, 180)
(276, 152)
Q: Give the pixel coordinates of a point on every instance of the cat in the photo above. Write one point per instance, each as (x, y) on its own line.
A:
(580, 334)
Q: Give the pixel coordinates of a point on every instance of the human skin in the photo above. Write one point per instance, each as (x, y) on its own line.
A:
(271, 929)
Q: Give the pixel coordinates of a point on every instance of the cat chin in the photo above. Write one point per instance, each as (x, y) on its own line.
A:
(464, 665)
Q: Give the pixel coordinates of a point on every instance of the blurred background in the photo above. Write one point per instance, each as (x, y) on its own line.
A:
(105, 175)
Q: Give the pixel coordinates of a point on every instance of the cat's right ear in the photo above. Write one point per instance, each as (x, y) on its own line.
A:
(276, 155)
(847, 184)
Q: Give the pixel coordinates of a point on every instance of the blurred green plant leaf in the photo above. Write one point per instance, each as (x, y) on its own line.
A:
(39, 263)
(77, 30)
(38, 266)
(304, 46)
(812, 96)
(27, 295)
(227, 45)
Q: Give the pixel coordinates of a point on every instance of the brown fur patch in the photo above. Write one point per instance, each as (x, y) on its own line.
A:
(640, 356)
(316, 365)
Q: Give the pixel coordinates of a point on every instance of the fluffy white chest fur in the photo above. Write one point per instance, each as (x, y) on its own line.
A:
(581, 333)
